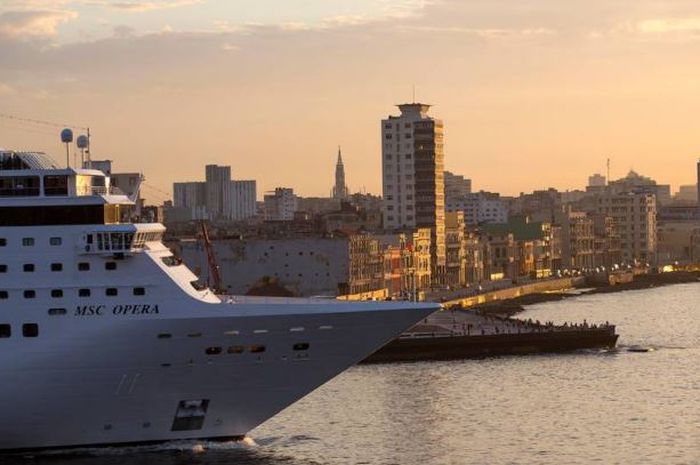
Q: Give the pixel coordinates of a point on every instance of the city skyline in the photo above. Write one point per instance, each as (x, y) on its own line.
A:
(280, 90)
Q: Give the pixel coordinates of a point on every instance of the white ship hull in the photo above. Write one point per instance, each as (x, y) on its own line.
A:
(117, 382)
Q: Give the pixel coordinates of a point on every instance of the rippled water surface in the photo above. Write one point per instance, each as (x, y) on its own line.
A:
(616, 407)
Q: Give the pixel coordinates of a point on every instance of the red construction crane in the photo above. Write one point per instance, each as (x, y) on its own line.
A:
(214, 276)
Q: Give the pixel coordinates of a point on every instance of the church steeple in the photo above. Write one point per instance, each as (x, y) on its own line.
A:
(340, 190)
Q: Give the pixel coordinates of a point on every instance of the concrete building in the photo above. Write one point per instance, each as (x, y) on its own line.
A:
(307, 267)
(280, 204)
(686, 195)
(340, 189)
(480, 208)
(634, 182)
(634, 218)
(242, 201)
(456, 250)
(596, 180)
(456, 186)
(413, 177)
(218, 187)
(675, 241)
(191, 199)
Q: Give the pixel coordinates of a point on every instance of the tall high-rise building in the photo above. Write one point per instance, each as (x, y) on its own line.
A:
(192, 197)
(218, 181)
(698, 186)
(340, 189)
(413, 176)
(243, 197)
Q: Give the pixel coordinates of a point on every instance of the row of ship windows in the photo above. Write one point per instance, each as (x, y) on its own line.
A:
(82, 266)
(254, 349)
(58, 293)
(28, 330)
(29, 241)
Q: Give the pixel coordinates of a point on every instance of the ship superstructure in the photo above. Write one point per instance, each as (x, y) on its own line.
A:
(107, 338)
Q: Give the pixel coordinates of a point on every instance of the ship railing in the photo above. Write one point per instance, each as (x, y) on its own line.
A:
(98, 190)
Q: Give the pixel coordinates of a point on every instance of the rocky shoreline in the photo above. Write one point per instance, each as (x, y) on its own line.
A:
(509, 307)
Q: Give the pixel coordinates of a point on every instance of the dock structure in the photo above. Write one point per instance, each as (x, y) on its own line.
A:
(458, 334)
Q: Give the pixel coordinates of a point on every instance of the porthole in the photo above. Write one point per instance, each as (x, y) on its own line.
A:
(194, 335)
(4, 295)
(3, 268)
(56, 293)
(139, 291)
(111, 266)
(28, 242)
(56, 266)
(55, 241)
(5, 331)
(83, 266)
(83, 292)
(28, 267)
(30, 294)
(213, 350)
(111, 292)
(57, 311)
(256, 349)
(301, 346)
(235, 349)
(165, 336)
(30, 330)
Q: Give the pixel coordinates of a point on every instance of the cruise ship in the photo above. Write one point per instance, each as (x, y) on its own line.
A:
(106, 338)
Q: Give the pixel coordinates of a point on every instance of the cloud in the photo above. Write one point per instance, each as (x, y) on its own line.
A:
(488, 33)
(141, 7)
(20, 24)
(660, 26)
(6, 89)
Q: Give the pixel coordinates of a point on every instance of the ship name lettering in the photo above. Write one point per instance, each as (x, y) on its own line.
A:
(89, 310)
(137, 309)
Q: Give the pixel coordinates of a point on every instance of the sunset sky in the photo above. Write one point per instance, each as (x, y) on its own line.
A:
(533, 93)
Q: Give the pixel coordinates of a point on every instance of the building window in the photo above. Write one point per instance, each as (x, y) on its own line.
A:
(139, 291)
(55, 241)
(28, 267)
(83, 292)
(111, 266)
(5, 331)
(28, 242)
(56, 293)
(30, 294)
(57, 267)
(111, 292)
(83, 266)
(30, 330)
